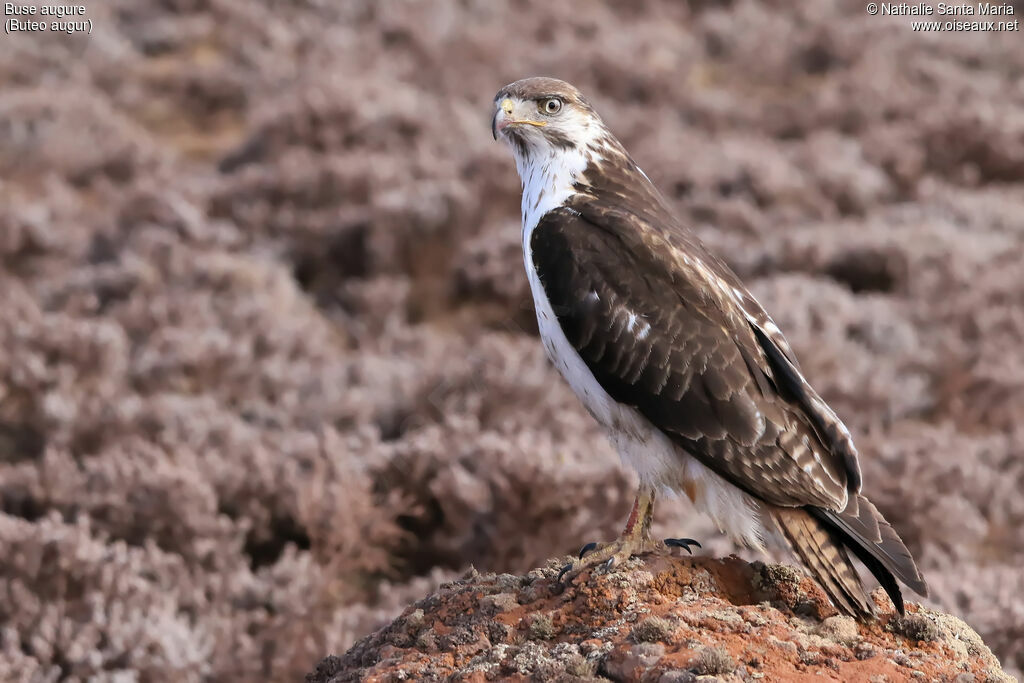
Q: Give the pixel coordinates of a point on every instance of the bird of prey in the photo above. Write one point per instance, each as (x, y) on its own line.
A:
(695, 384)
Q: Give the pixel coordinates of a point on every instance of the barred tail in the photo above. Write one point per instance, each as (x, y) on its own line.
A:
(822, 552)
(823, 539)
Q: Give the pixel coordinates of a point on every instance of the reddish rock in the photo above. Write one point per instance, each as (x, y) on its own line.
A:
(659, 619)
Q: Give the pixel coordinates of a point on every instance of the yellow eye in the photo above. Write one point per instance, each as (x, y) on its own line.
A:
(550, 106)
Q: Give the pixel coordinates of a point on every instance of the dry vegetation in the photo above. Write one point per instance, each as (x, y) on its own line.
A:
(267, 365)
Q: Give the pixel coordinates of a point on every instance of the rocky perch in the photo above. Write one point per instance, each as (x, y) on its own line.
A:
(659, 619)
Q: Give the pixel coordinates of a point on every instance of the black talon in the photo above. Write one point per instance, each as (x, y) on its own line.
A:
(587, 548)
(609, 563)
(684, 543)
(562, 572)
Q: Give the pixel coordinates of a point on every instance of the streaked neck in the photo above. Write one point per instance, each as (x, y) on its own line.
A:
(549, 178)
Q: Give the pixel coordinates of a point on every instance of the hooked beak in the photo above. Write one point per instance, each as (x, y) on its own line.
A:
(503, 118)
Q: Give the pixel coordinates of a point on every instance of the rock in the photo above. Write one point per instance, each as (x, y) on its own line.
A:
(660, 619)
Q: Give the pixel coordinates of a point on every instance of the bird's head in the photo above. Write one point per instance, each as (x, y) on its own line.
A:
(539, 117)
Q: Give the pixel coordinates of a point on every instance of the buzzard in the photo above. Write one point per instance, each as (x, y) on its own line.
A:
(695, 384)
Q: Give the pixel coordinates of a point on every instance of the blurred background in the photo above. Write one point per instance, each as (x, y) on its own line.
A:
(268, 363)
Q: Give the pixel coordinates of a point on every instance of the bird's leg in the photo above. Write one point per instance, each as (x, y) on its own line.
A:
(635, 539)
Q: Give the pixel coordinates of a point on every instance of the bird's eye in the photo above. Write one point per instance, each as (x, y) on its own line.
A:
(551, 105)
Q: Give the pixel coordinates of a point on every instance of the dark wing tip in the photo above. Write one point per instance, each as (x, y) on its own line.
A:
(875, 543)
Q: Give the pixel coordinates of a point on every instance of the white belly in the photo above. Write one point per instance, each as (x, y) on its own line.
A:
(641, 445)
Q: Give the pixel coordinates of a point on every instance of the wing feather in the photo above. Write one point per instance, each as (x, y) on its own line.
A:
(660, 334)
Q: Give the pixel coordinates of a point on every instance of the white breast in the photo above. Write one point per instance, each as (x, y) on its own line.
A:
(547, 184)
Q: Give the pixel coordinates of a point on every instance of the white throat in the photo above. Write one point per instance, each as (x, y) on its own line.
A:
(548, 177)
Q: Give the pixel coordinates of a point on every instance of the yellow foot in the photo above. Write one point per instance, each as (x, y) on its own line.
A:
(614, 553)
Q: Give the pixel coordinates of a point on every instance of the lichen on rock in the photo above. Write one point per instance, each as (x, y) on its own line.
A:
(663, 619)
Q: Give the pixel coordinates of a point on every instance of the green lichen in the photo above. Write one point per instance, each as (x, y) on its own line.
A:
(652, 630)
(916, 627)
(771, 575)
(713, 661)
(839, 629)
(541, 627)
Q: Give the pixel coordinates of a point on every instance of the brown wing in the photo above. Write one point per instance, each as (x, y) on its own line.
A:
(663, 332)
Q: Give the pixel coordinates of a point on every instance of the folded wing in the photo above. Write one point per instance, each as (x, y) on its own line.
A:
(666, 328)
